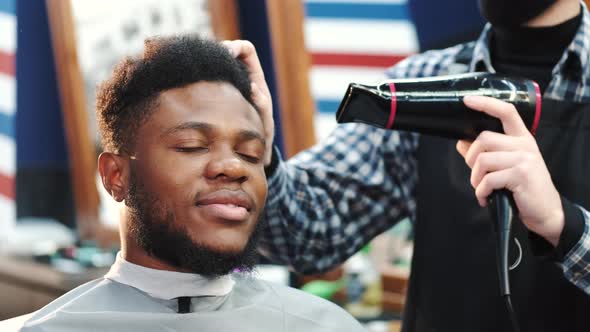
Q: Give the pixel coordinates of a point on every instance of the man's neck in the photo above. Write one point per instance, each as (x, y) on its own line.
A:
(559, 12)
(137, 256)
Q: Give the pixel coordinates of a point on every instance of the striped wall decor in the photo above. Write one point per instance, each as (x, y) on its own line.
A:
(7, 115)
(353, 40)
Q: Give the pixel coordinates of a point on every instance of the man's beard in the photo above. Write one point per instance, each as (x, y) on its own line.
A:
(155, 229)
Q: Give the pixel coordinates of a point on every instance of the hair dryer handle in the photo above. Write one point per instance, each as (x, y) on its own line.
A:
(501, 206)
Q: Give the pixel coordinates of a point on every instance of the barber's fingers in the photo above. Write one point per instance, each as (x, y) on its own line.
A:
(489, 141)
(496, 180)
(264, 104)
(489, 162)
(505, 112)
(246, 52)
(259, 98)
(463, 147)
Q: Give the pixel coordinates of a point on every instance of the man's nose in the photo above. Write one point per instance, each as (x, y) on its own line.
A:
(225, 164)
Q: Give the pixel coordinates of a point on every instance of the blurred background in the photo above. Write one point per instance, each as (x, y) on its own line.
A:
(59, 229)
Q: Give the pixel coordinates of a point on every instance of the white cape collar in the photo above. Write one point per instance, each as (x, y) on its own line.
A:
(167, 285)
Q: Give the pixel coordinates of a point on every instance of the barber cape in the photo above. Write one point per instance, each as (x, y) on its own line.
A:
(134, 298)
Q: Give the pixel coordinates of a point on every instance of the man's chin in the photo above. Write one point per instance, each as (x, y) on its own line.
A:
(212, 261)
(229, 258)
(227, 251)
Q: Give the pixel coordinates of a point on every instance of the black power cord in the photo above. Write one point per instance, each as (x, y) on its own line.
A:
(501, 206)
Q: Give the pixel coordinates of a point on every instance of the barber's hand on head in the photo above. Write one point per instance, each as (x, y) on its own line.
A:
(513, 161)
(245, 51)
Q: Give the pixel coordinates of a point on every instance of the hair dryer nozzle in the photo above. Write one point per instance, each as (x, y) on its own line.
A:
(364, 104)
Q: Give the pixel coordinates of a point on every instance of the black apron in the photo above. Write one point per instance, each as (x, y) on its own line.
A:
(454, 282)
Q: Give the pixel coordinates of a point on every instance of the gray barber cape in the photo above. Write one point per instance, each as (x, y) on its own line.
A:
(252, 305)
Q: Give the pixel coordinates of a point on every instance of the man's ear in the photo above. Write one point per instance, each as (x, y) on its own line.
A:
(114, 173)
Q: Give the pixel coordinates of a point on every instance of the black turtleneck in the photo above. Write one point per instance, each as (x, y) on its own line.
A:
(531, 52)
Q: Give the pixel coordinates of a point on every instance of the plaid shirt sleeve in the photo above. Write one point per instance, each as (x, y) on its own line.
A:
(325, 203)
(576, 263)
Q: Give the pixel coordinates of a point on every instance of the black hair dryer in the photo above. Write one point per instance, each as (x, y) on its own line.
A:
(434, 106)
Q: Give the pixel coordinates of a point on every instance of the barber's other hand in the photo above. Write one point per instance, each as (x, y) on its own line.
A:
(513, 161)
(245, 51)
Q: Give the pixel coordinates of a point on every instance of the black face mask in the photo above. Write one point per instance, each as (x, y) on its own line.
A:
(512, 13)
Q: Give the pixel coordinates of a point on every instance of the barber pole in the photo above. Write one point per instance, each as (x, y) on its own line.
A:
(7, 116)
(353, 40)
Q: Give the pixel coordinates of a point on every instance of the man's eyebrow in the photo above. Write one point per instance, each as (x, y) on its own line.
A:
(199, 126)
(248, 135)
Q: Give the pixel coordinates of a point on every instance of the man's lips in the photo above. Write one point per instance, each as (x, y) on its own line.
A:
(226, 204)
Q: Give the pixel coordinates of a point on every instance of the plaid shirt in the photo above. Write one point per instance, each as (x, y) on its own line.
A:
(325, 203)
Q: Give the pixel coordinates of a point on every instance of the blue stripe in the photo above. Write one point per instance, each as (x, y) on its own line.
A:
(327, 106)
(8, 7)
(7, 125)
(372, 11)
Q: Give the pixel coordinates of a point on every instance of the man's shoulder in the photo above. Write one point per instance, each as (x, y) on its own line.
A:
(430, 63)
(305, 310)
(68, 299)
(95, 296)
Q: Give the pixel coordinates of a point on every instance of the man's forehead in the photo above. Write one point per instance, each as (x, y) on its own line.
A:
(208, 107)
(204, 91)
(207, 102)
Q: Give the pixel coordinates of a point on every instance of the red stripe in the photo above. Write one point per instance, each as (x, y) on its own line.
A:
(7, 63)
(393, 106)
(537, 109)
(359, 60)
(7, 187)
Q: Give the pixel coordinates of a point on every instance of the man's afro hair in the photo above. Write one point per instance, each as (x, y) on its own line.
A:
(127, 99)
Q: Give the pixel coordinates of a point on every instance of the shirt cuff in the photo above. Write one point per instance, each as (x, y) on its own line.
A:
(573, 228)
(274, 162)
(275, 177)
(575, 264)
